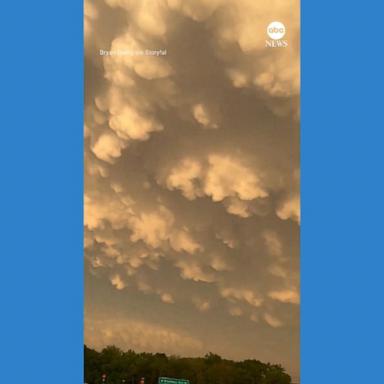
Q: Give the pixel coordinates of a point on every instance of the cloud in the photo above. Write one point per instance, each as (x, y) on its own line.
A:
(185, 177)
(201, 304)
(273, 243)
(153, 228)
(228, 177)
(99, 210)
(276, 71)
(191, 270)
(290, 209)
(108, 147)
(238, 207)
(246, 295)
(128, 122)
(167, 298)
(220, 177)
(285, 296)
(103, 330)
(202, 116)
(181, 240)
(236, 311)
(272, 321)
(146, 67)
(197, 10)
(117, 282)
(151, 23)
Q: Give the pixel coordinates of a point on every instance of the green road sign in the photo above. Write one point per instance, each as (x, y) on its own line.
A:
(168, 380)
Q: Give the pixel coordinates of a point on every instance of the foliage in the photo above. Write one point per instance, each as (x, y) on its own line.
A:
(210, 369)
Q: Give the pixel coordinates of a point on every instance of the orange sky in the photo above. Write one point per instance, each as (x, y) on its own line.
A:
(192, 207)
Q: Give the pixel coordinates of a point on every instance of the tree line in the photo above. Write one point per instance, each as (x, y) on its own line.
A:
(115, 366)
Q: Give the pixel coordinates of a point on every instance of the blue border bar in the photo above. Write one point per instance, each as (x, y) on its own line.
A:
(342, 192)
(41, 192)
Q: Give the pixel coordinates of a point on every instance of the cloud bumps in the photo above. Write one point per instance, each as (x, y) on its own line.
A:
(192, 205)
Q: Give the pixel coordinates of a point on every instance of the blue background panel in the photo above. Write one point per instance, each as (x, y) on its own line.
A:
(342, 193)
(41, 284)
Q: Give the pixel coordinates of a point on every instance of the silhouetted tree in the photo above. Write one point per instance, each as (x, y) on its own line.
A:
(210, 369)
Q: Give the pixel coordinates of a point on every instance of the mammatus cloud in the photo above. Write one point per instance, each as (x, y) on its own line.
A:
(245, 295)
(285, 296)
(192, 204)
(117, 282)
(290, 209)
(272, 321)
(201, 305)
(108, 147)
(219, 177)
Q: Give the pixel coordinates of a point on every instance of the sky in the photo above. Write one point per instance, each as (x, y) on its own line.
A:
(192, 178)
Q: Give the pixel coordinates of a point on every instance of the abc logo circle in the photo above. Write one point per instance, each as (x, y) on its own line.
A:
(276, 30)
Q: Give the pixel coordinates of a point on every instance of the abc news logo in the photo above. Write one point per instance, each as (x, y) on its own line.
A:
(276, 31)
